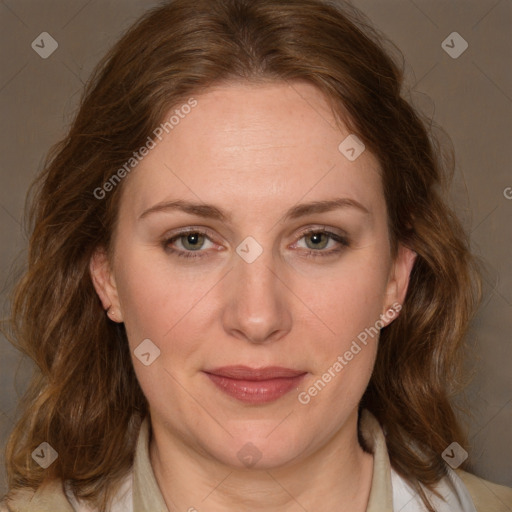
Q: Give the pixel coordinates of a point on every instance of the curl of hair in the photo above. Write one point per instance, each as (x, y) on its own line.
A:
(84, 398)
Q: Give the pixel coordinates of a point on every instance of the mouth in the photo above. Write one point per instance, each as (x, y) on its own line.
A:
(255, 385)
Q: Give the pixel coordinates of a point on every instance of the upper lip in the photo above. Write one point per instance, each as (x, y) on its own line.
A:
(256, 374)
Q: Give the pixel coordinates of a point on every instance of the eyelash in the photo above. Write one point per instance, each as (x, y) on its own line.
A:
(343, 241)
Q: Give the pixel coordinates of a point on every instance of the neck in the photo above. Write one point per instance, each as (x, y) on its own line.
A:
(338, 477)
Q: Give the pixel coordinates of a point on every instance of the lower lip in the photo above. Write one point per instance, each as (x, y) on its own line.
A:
(256, 392)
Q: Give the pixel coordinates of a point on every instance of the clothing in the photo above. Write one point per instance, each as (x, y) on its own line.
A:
(389, 492)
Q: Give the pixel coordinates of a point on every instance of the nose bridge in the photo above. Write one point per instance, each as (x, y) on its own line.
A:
(255, 281)
(257, 307)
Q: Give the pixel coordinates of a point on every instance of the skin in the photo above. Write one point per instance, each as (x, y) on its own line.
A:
(255, 151)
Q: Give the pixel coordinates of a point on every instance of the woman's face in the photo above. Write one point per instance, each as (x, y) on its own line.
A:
(252, 173)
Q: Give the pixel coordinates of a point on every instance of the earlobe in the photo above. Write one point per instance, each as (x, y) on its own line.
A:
(104, 283)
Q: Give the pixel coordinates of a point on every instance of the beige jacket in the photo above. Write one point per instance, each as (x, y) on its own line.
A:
(389, 493)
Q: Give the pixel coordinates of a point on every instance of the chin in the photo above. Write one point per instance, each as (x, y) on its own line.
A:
(258, 448)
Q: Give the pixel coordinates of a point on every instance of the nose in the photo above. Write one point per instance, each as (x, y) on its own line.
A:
(257, 302)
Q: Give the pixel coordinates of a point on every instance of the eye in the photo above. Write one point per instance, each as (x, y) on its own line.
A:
(317, 240)
(191, 241)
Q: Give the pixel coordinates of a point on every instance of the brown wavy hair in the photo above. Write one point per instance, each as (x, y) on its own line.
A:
(84, 398)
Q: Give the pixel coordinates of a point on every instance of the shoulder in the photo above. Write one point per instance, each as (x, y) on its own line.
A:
(48, 498)
(487, 496)
(56, 496)
(458, 491)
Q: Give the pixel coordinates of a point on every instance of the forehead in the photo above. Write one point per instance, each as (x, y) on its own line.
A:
(267, 145)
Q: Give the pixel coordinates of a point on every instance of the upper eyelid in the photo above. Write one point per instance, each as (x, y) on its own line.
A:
(302, 232)
(320, 228)
(186, 231)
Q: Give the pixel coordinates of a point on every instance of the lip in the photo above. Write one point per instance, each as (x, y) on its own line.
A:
(255, 385)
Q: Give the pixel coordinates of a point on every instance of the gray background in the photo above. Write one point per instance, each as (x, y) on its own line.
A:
(470, 97)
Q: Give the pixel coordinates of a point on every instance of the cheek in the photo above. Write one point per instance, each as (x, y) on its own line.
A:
(166, 306)
(349, 303)
(351, 298)
(159, 299)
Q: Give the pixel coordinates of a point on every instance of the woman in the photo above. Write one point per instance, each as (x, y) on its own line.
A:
(245, 289)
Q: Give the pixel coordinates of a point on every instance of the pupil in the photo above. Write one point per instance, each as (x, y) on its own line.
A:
(193, 238)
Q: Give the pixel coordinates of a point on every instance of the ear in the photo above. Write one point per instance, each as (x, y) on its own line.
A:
(104, 283)
(398, 283)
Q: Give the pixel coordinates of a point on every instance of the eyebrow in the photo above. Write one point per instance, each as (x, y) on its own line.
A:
(213, 212)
